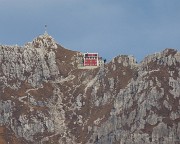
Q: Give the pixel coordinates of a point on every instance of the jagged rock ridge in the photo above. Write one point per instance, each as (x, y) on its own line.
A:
(44, 98)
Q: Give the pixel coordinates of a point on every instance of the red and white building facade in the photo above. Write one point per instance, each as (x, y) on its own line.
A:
(91, 59)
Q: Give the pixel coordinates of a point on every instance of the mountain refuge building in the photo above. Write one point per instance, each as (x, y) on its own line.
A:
(90, 60)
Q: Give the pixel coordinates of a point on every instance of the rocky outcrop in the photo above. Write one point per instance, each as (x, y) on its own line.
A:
(45, 98)
(142, 112)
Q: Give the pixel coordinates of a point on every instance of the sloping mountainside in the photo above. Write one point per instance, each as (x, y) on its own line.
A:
(46, 99)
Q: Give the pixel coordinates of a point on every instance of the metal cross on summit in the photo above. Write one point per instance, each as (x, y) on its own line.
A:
(45, 30)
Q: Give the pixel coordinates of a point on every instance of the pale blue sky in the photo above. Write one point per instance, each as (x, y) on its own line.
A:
(110, 27)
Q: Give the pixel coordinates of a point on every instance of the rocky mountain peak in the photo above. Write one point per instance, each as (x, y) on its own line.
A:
(45, 98)
(43, 41)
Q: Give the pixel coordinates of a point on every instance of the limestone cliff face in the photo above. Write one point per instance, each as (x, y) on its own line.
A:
(45, 99)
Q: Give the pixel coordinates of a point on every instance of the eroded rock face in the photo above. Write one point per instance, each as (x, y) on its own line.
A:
(44, 98)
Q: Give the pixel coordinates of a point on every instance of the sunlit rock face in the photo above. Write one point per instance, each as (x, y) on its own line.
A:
(45, 98)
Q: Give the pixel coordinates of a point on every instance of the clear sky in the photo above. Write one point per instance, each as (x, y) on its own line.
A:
(110, 27)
